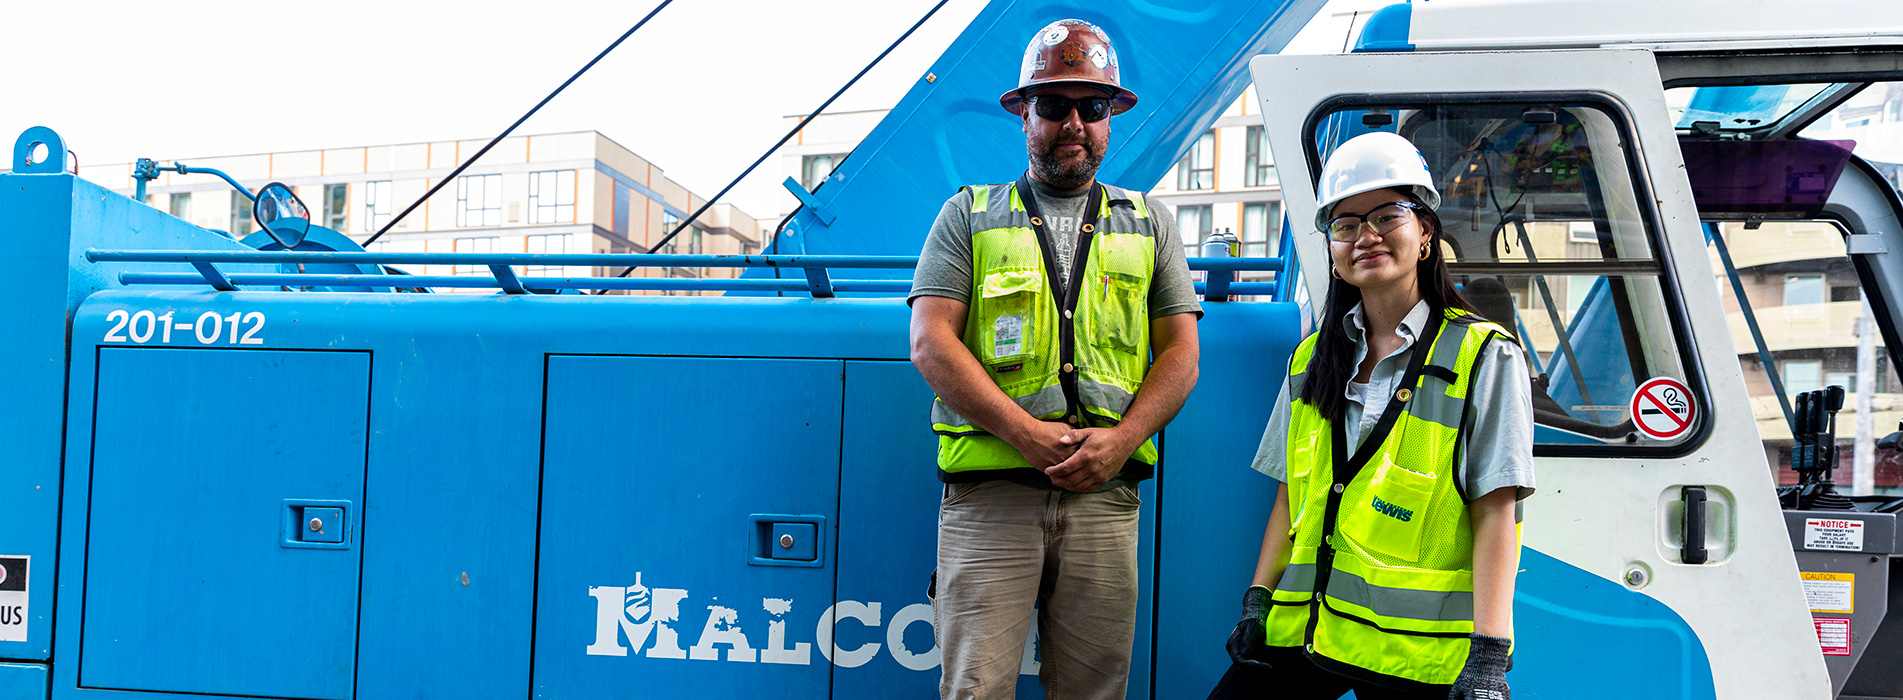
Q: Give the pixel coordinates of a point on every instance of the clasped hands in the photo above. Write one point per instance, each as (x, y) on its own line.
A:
(1076, 459)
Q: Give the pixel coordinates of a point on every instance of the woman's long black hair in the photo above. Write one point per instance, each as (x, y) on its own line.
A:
(1333, 363)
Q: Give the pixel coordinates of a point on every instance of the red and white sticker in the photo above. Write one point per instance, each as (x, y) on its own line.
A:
(1663, 409)
(1833, 634)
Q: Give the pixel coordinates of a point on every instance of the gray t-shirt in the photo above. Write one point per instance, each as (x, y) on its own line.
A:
(944, 265)
(1498, 449)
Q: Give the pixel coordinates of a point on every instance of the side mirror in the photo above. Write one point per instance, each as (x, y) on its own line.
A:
(282, 215)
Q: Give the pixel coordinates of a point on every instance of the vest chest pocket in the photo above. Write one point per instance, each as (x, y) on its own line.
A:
(1118, 296)
(1006, 313)
(1390, 516)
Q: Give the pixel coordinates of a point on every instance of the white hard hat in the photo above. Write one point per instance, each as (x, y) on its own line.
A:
(1369, 162)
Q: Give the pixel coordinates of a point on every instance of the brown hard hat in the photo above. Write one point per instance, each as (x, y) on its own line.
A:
(1069, 51)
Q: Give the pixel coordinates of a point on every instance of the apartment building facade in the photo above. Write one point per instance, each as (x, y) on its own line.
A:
(577, 192)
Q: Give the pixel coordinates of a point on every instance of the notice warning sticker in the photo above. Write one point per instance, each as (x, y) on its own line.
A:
(1835, 535)
(1833, 634)
(1828, 592)
(13, 599)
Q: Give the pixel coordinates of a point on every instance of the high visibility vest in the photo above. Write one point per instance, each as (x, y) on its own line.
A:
(1073, 350)
(1391, 551)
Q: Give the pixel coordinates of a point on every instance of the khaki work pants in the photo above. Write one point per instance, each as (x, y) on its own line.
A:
(1001, 547)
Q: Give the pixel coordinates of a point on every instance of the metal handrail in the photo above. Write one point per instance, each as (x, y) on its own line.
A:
(818, 280)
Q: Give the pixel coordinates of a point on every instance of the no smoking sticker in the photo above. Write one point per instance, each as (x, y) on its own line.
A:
(1662, 408)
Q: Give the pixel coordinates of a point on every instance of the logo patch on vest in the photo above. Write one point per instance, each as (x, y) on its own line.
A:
(1007, 336)
(1391, 510)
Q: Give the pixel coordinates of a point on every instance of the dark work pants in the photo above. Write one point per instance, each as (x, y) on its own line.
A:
(1296, 678)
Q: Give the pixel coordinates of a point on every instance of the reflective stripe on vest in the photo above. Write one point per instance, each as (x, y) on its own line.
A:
(1398, 607)
(1014, 327)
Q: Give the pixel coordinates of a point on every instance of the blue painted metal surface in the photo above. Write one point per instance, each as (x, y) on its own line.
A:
(50, 219)
(1387, 29)
(23, 682)
(183, 573)
(1580, 636)
(1187, 62)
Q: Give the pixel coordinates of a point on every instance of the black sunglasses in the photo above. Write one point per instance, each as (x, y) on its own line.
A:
(1057, 107)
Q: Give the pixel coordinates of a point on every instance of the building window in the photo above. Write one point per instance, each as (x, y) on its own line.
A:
(376, 205)
(1845, 293)
(815, 169)
(1803, 289)
(549, 244)
(479, 200)
(181, 205)
(688, 243)
(1197, 171)
(485, 244)
(668, 222)
(240, 215)
(1259, 168)
(552, 197)
(1193, 224)
(1258, 220)
(1847, 380)
(336, 206)
(1803, 375)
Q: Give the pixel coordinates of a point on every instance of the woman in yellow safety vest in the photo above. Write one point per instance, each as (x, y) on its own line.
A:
(1403, 438)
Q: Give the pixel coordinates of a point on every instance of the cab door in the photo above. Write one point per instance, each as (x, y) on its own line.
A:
(1568, 218)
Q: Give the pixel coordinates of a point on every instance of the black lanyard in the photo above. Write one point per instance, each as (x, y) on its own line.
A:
(1064, 295)
(1347, 467)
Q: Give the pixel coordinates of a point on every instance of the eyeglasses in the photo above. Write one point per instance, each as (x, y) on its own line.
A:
(1057, 107)
(1383, 219)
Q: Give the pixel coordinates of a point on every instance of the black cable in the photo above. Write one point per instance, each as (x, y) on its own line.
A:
(689, 221)
(525, 117)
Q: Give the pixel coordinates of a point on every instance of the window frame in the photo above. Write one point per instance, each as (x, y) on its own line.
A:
(1254, 172)
(536, 206)
(241, 207)
(377, 195)
(1645, 203)
(1186, 170)
(338, 219)
(463, 210)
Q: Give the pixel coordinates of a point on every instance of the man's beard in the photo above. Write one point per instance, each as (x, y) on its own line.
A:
(1047, 168)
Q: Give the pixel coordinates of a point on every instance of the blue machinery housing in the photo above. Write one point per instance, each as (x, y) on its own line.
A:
(558, 494)
(233, 479)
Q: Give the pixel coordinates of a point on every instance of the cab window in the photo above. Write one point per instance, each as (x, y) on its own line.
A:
(1549, 232)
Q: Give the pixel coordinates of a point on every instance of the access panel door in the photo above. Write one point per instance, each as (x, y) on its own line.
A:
(1567, 217)
(687, 527)
(222, 555)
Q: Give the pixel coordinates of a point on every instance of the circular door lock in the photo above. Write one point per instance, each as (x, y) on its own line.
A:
(317, 525)
(786, 541)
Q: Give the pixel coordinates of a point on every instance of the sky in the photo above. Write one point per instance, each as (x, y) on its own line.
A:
(700, 91)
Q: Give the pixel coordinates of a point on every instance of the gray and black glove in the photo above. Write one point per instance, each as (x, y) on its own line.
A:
(1485, 675)
(1246, 642)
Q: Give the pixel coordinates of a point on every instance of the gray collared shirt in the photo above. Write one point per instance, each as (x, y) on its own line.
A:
(1498, 449)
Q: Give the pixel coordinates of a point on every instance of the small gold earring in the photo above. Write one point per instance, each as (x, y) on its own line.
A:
(1424, 251)
(1333, 273)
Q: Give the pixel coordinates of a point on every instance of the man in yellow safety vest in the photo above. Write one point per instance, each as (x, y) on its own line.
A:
(1056, 321)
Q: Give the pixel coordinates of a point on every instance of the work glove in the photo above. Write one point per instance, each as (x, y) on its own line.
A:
(1246, 642)
(1485, 675)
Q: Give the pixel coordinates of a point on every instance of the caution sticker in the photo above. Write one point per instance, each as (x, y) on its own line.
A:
(1834, 535)
(1833, 634)
(13, 593)
(1662, 408)
(1830, 592)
